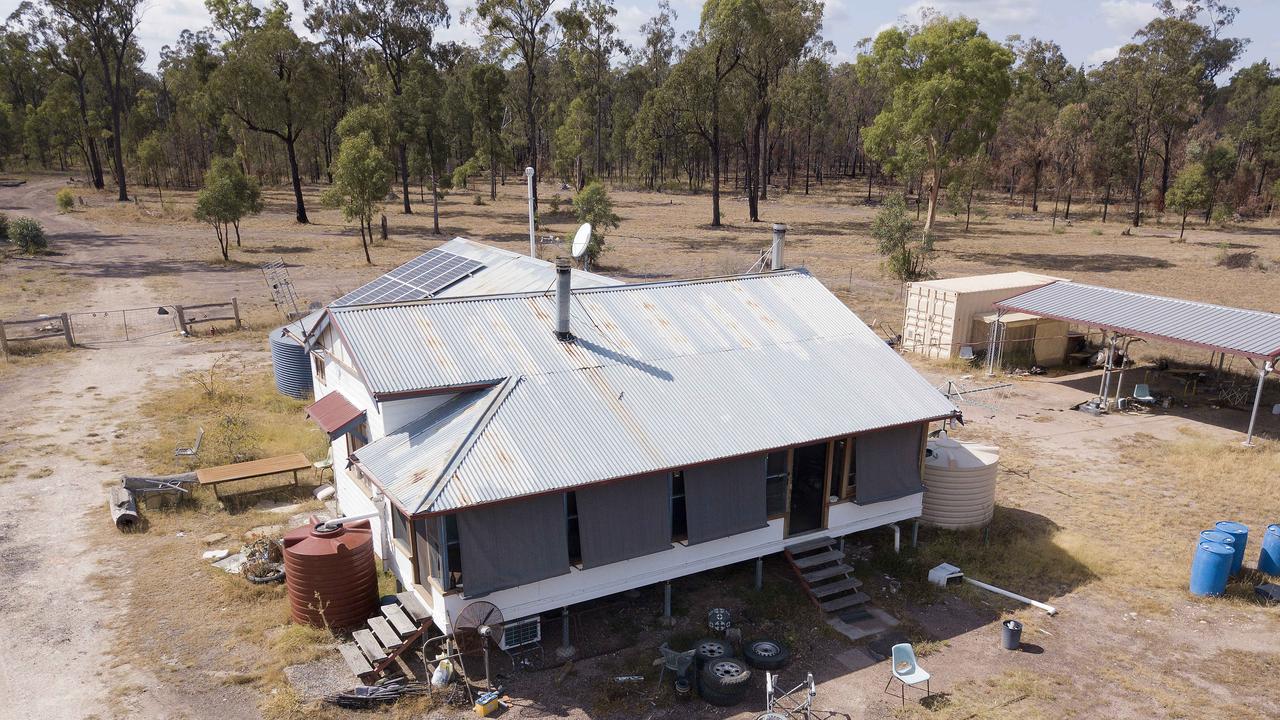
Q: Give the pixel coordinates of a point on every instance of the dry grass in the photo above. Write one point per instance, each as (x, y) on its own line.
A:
(243, 415)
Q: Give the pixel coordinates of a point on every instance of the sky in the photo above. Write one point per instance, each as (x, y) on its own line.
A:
(1089, 31)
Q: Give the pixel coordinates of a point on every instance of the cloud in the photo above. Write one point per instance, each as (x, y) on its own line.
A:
(1101, 55)
(1127, 15)
(984, 11)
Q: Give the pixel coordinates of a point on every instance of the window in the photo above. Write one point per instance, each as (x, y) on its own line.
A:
(776, 477)
(430, 540)
(453, 553)
(358, 438)
(851, 465)
(575, 539)
(679, 520)
(400, 530)
(317, 362)
(837, 467)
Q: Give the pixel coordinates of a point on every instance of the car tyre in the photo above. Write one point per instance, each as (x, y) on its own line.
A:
(766, 654)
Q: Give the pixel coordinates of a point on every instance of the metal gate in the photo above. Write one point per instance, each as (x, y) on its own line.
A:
(123, 325)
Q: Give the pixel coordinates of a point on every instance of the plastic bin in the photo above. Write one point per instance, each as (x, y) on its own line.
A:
(1011, 635)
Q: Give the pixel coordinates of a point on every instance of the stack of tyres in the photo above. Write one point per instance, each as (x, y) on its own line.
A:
(722, 679)
(1210, 568)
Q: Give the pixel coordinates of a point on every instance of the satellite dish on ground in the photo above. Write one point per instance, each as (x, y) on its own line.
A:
(581, 240)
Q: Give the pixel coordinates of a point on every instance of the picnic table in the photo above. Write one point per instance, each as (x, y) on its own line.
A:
(216, 476)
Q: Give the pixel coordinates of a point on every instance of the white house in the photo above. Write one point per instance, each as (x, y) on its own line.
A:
(540, 449)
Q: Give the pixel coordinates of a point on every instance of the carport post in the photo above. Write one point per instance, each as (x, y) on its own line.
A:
(759, 573)
(1257, 400)
(566, 649)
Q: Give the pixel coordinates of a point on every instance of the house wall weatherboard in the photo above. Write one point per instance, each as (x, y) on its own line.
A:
(568, 584)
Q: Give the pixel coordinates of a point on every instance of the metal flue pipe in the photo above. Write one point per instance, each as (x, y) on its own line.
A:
(779, 237)
(563, 275)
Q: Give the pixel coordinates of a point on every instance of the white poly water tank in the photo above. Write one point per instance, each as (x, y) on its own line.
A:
(959, 484)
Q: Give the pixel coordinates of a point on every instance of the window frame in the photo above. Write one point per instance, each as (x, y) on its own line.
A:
(317, 367)
(786, 487)
(679, 531)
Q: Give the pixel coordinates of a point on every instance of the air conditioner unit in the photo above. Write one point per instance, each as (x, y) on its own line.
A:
(520, 633)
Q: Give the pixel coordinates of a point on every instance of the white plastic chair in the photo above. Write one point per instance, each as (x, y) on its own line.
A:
(325, 464)
(1142, 394)
(907, 671)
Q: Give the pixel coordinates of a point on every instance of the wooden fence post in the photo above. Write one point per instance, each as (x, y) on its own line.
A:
(4, 342)
(182, 319)
(235, 309)
(66, 331)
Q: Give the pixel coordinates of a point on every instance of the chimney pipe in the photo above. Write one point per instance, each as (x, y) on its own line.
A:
(562, 299)
(779, 235)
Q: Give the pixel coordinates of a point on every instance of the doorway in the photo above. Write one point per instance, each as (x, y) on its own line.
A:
(808, 488)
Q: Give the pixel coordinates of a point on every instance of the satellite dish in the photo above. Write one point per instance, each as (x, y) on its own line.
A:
(581, 240)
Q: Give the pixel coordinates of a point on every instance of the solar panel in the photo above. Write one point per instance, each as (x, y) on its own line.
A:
(421, 277)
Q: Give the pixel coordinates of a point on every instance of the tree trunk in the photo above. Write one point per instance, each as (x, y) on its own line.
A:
(299, 207)
(968, 209)
(531, 127)
(935, 185)
(435, 203)
(1137, 195)
(1183, 229)
(403, 150)
(116, 147)
(1035, 186)
(715, 158)
(1106, 202)
(364, 239)
(236, 225)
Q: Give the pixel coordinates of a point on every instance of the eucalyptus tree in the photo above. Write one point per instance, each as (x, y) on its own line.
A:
(334, 22)
(109, 27)
(67, 50)
(270, 83)
(523, 29)
(590, 32)
(399, 30)
(485, 89)
(777, 35)
(949, 83)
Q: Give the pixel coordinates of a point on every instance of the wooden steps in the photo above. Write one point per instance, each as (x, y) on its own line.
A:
(835, 588)
(829, 582)
(817, 559)
(387, 637)
(844, 601)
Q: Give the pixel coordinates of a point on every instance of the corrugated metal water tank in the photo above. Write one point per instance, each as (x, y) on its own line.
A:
(959, 484)
(330, 574)
(291, 364)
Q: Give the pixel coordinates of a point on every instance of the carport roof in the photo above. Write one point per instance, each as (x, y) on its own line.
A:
(1236, 331)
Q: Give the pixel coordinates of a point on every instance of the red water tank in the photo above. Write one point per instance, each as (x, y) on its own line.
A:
(330, 574)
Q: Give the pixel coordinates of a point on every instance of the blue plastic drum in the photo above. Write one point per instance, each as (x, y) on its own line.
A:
(1210, 568)
(1218, 536)
(1269, 558)
(1241, 534)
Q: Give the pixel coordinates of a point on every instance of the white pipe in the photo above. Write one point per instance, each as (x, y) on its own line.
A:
(533, 241)
(349, 518)
(1257, 400)
(992, 588)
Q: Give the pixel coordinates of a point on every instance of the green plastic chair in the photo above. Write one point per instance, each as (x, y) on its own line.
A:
(907, 671)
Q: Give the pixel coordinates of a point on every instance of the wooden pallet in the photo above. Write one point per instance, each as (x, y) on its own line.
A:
(388, 636)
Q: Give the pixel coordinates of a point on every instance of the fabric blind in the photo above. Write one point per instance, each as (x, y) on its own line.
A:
(513, 543)
(725, 498)
(888, 464)
(624, 519)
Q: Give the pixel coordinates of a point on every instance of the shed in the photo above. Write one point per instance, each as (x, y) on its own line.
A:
(940, 314)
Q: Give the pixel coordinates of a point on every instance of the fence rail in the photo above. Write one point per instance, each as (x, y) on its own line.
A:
(50, 327)
(105, 326)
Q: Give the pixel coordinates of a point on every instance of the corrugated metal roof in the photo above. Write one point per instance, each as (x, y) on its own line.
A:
(444, 343)
(333, 412)
(993, 281)
(660, 376)
(1238, 331)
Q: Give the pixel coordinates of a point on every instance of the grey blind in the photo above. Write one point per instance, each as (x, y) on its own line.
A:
(624, 519)
(725, 498)
(888, 464)
(513, 543)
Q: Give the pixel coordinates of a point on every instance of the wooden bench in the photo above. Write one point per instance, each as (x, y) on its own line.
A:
(216, 476)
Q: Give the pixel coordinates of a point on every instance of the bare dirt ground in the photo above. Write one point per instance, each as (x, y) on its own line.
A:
(1096, 515)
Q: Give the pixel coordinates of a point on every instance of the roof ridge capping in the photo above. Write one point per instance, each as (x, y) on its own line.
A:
(625, 287)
